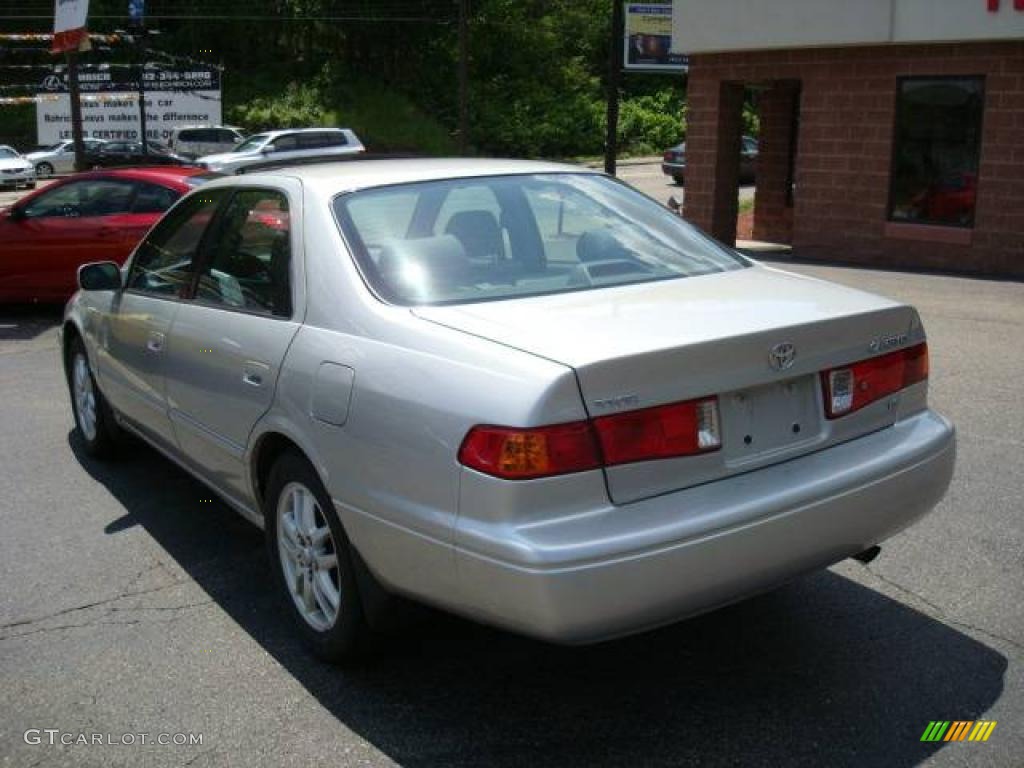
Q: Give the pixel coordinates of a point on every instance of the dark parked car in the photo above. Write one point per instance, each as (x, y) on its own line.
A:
(673, 162)
(116, 153)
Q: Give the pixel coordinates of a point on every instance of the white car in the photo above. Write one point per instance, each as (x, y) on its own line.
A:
(195, 141)
(285, 145)
(15, 170)
(60, 157)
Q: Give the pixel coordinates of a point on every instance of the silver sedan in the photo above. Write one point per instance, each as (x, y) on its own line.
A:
(521, 392)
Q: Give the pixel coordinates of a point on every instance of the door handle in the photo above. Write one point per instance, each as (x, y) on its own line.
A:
(253, 373)
(155, 342)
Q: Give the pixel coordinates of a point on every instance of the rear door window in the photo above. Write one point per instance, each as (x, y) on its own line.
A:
(153, 198)
(247, 261)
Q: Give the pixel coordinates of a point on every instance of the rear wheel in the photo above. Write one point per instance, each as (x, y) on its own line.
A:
(93, 417)
(44, 170)
(311, 557)
(679, 179)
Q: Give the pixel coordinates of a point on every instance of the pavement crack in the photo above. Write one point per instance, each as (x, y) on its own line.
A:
(942, 614)
(97, 604)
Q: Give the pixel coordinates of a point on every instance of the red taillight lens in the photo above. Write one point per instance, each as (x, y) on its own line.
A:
(679, 429)
(521, 454)
(851, 387)
(667, 157)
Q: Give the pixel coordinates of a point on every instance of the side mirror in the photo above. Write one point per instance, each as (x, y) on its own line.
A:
(17, 213)
(99, 276)
(675, 204)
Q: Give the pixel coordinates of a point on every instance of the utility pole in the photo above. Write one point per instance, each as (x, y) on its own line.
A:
(142, 88)
(137, 14)
(75, 96)
(463, 77)
(611, 141)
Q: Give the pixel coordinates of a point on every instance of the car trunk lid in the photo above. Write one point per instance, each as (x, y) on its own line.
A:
(650, 344)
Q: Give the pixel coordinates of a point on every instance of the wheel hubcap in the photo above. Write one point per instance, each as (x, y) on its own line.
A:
(309, 559)
(85, 397)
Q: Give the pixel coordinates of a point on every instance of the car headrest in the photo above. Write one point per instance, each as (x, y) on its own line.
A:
(441, 259)
(479, 233)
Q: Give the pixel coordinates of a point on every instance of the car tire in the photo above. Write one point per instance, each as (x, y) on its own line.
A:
(94, 419)
(44, 170)
(312, 561)
(30, 185)
(679, 179)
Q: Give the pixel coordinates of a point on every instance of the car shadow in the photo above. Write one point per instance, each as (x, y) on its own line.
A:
(820, 672)
(23, 322)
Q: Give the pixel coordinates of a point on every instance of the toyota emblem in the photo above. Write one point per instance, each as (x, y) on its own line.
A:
(781, 356)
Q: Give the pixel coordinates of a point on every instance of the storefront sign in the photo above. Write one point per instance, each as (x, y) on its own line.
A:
(648, 38)
(110, 103)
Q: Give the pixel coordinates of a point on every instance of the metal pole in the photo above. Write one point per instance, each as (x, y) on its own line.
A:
(611, 141)
(76, 109)
(142, 89)
(463, 77)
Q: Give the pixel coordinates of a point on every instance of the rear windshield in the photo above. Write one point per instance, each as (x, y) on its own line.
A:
(477, 239)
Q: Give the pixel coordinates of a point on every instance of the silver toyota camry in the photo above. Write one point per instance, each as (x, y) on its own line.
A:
(521, 392)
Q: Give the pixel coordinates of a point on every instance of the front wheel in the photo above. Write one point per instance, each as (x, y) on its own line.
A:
(310, 556)
(44, 170)
(93, 416)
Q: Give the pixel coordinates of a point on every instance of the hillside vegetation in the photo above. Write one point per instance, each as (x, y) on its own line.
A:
(389, 70)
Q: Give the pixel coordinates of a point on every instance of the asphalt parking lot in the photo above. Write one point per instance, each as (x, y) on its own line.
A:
(135, 602)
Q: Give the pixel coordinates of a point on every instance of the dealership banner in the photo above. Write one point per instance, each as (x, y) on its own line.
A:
(110, 103)
(69, 21)
(648, 38)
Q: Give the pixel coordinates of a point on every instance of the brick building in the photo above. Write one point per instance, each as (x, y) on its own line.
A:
(892, 131)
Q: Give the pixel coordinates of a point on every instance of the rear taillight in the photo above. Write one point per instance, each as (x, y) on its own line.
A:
(521, 454)
(851, 387)
(679, 429)
(667, 157)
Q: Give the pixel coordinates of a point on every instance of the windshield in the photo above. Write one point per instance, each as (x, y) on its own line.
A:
(7, 153)
(478, 239)
(252, 143)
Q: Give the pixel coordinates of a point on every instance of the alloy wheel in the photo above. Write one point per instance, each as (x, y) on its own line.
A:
(85, 397)
(309, 559)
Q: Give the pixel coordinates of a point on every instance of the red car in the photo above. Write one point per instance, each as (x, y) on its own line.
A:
(97, 216)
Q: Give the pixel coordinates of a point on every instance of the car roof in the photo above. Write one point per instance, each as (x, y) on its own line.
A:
(283, 131)
(331, 177)
(168, 175)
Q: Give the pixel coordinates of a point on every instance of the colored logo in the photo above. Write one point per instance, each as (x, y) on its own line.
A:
(958, 730)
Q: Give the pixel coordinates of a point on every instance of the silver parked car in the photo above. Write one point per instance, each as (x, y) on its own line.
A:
(279, 146)
(15, 170)
(522, 392)
(60, 157)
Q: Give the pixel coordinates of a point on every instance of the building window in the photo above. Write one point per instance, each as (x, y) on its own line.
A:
(936, 149)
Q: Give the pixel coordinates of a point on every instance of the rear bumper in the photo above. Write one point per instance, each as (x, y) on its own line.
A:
(673, 169)
(585, 578)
